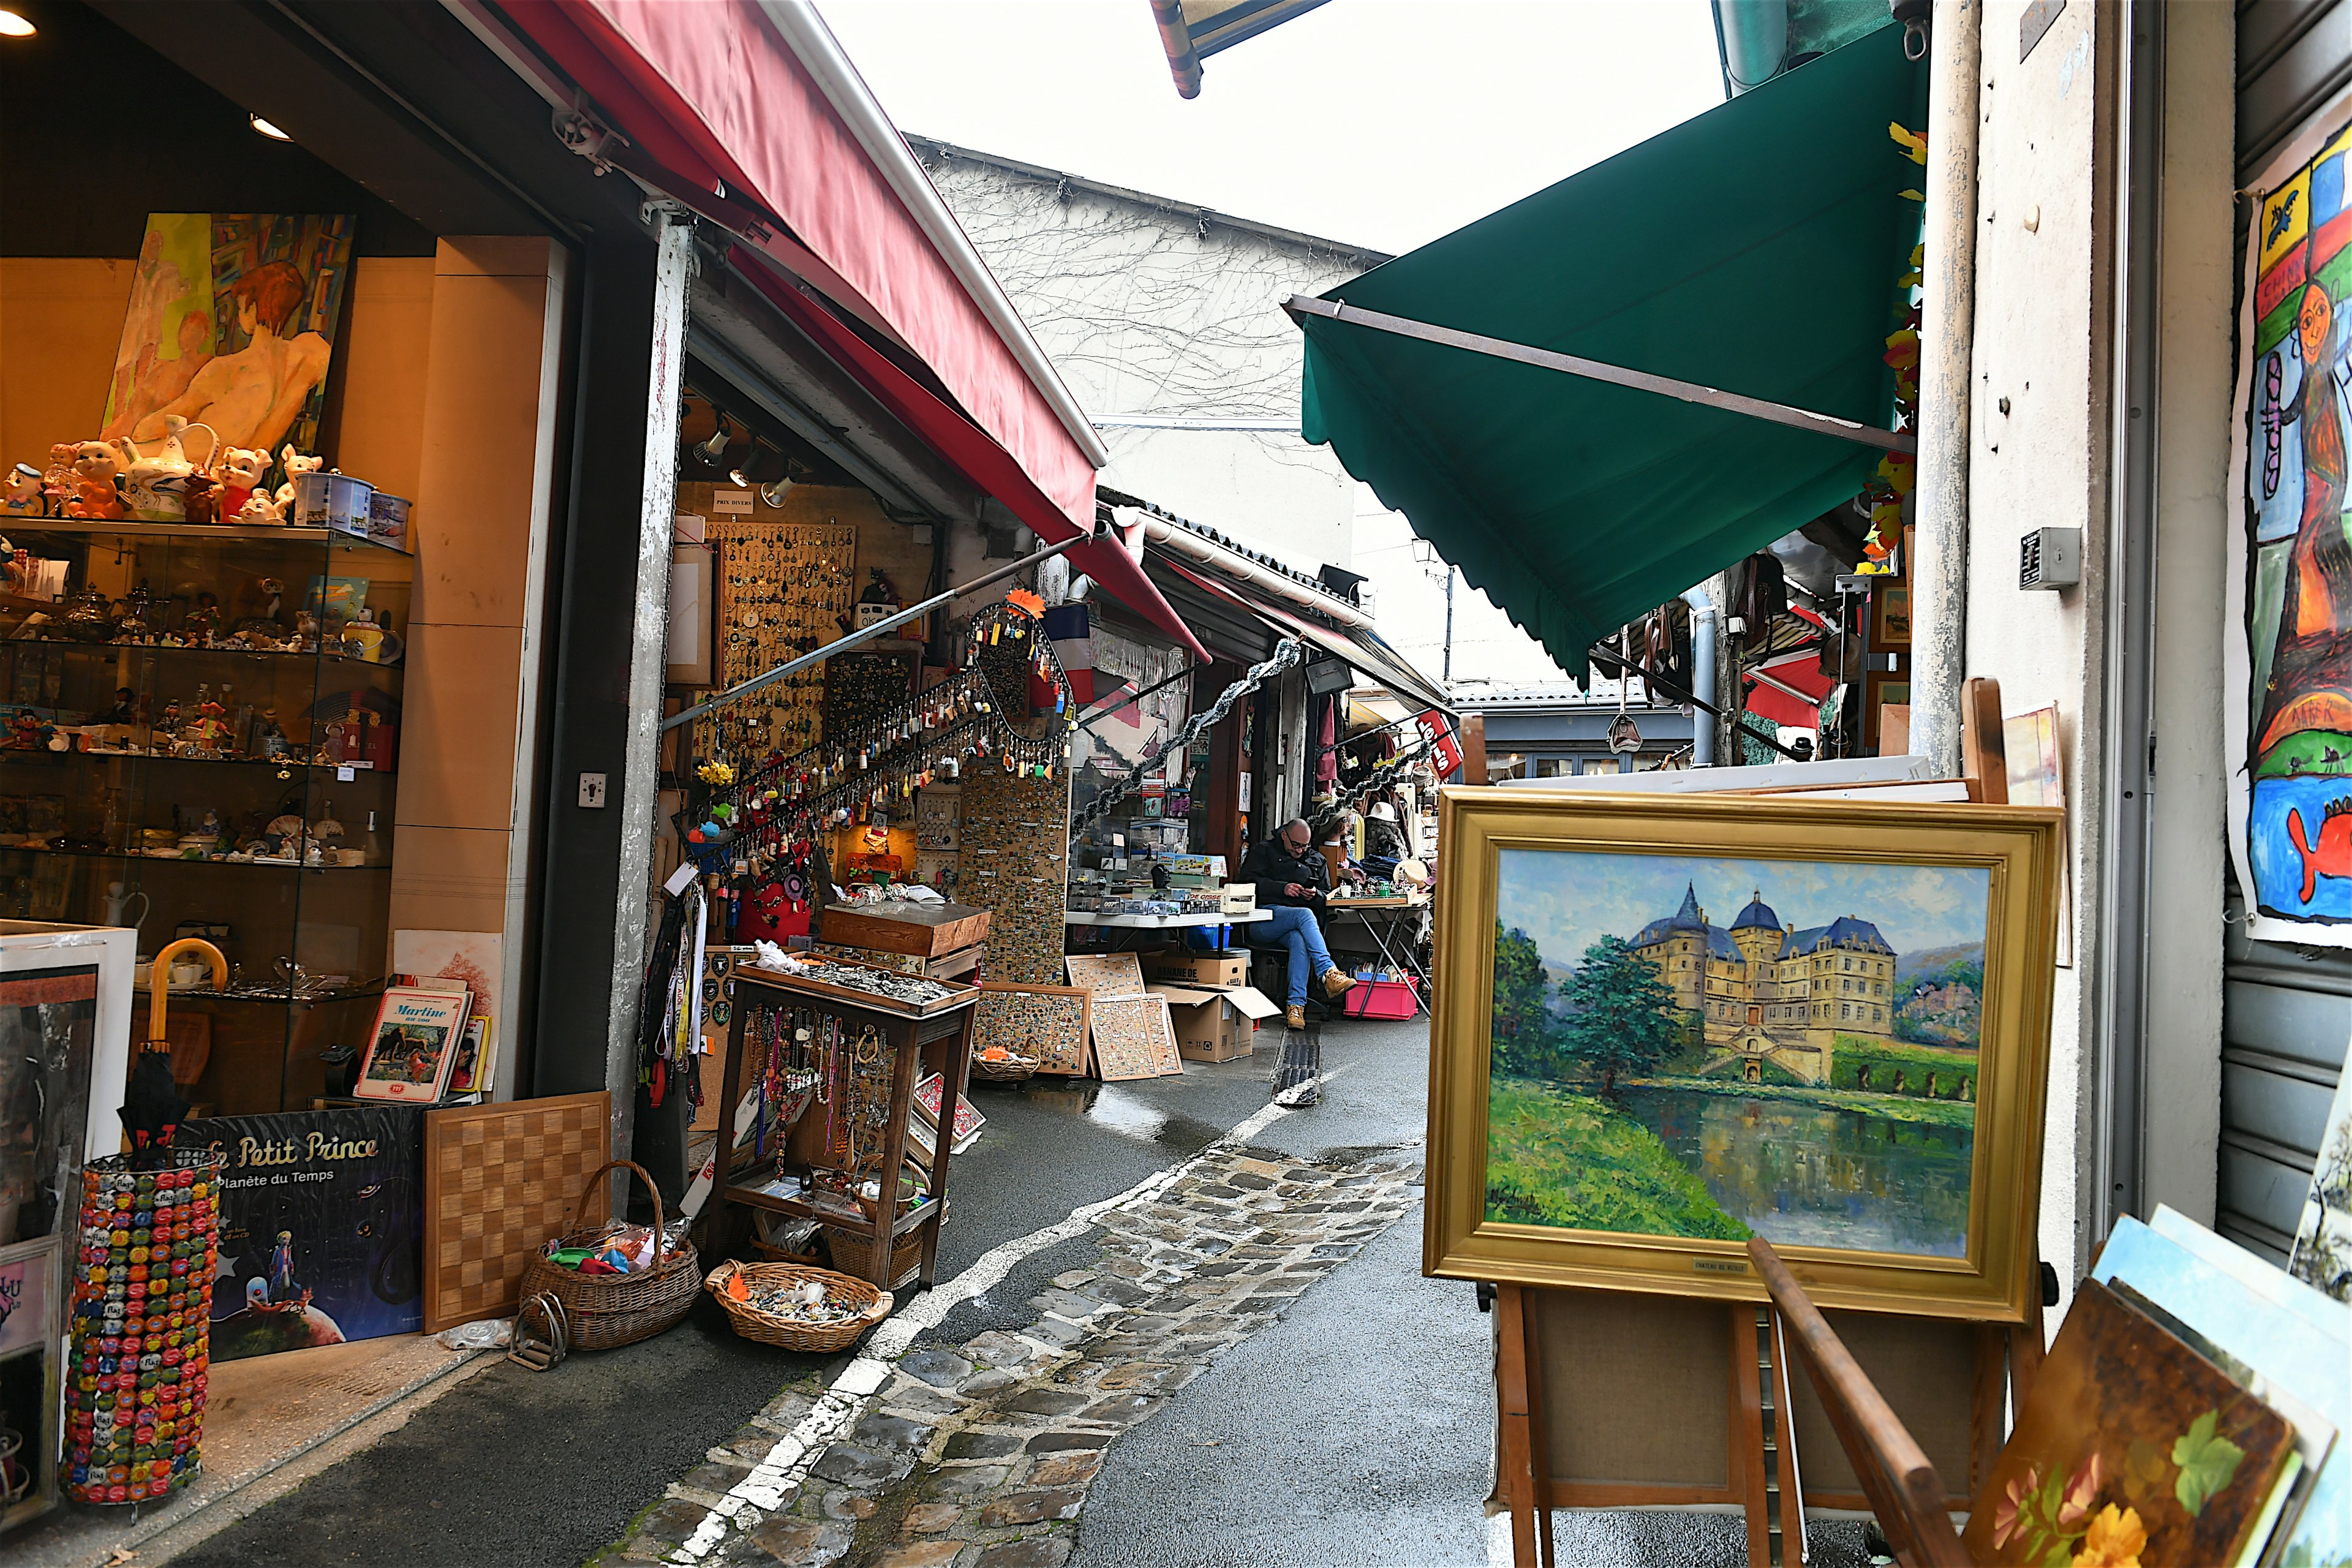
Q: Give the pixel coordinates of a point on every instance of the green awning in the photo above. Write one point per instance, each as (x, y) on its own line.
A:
(1755, 248)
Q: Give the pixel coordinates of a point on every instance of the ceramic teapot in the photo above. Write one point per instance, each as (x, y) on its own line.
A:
(155, 484)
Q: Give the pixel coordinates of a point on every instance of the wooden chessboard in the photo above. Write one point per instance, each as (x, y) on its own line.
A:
(498, 1181)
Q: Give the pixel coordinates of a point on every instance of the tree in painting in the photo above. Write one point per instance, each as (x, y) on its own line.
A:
(1622, 1016)
(1523, 1033)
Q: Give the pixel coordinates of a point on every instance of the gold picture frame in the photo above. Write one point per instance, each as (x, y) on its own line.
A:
(1930, 858)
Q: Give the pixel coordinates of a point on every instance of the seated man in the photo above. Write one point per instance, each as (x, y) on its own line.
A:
(1293, 882)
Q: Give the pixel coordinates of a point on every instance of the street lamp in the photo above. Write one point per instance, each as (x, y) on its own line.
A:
(1425, 556)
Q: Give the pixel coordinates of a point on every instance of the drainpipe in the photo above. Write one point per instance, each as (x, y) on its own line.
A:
(1754, 37)
(1705, 623)
(1947, 329)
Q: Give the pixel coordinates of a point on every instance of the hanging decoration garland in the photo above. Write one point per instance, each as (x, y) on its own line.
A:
(1289, 652)
(763, 816)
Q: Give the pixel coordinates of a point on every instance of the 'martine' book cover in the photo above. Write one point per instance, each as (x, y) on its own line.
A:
(414, 1045)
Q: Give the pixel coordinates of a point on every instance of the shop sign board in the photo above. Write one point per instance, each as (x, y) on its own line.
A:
(320, 1213)
(1444, 749)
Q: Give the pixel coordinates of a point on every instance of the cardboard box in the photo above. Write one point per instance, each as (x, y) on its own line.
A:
(1218, 970)
(1240, 899)
(1214, 1026)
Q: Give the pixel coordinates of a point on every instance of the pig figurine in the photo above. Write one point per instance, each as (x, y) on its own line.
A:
(239, 471)
(97, 467)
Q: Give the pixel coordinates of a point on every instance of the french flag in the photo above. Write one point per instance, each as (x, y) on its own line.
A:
(1072, 634)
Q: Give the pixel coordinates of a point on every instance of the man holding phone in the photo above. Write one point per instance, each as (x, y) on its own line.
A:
(1294, 881)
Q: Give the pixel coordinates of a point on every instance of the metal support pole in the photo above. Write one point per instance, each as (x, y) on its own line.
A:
(1447, 677)
(1947, 330)
(867, 634)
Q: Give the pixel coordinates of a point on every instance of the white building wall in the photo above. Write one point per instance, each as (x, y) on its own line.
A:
(2042, 326)
(1166, 324)
(2187, 796)
(1152, 314)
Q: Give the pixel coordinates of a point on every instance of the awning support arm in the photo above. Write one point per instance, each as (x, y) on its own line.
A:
(1299, 305)
(867, 634)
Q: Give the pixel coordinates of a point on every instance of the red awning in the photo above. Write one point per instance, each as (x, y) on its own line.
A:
(712, 93)
(982, 460)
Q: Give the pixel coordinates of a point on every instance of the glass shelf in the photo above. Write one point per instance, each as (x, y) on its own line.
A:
(143, 859)
(272, 998)
(263, 533)
(171, 652)
(279, 765)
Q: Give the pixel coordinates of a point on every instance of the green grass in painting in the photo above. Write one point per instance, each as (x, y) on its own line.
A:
(1567, 1159)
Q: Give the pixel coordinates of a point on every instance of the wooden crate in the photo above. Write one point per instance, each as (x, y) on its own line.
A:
(928, 930)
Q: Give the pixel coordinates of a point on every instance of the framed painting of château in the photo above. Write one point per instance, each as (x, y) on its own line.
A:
(1668, 1023)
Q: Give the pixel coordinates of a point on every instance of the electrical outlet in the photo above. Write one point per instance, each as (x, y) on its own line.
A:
(591, 791)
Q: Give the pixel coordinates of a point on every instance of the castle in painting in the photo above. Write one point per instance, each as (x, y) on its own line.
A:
(1766, 991)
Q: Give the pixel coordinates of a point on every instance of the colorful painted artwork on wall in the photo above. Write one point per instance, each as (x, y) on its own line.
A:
(232, 324)
(2132, 1447)
(321, 1216)
(2289, 687)
(1727, 1048)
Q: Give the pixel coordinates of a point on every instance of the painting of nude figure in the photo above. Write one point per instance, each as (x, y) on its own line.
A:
(231, 324)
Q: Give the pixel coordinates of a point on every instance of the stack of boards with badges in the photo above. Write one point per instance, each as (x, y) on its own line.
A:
(1128, 1028)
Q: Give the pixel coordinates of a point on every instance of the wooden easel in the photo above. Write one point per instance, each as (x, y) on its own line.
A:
(1764, 1472)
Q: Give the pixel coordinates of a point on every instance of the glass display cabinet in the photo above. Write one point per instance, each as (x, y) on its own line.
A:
(202, 739)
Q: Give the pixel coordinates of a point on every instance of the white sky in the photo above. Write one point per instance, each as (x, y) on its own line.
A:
(1378, 122)
(1383, 123)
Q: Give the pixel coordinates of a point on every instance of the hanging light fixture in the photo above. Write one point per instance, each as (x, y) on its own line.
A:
(267, 129)
(774, 494)
(714, 451)
(12, 26)
(741, 475)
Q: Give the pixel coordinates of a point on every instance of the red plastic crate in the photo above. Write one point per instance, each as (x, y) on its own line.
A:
(1383, 999)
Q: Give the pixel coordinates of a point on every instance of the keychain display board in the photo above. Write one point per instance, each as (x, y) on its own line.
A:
(938, 814)
(784, 588)
(1047, 1021)
(498, 1181)
(826, 1116)
(1013, 834)
(865, 683)
(1133, 1038)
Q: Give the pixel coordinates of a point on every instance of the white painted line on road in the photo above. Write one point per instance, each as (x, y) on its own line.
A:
(787, 1464)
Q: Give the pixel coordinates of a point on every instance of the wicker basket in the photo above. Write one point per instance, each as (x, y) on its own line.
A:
(815, 1339)
(1013, 1068)
(852, 1254)
(608, 1310)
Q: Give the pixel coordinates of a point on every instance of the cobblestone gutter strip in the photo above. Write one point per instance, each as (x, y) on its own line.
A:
(979, 1454)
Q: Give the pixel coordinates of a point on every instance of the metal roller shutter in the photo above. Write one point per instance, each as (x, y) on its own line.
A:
(2287, 1012)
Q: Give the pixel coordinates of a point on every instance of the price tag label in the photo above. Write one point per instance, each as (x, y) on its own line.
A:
(345, 776)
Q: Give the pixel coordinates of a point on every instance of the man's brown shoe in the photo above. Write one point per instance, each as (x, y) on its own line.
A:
(1294, 1016)
(1338, 983)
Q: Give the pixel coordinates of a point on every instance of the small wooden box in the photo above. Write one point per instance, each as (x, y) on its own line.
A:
(928, 931)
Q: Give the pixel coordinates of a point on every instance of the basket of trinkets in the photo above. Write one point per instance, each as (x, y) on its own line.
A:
(813, 1311)
(618, 1306)
(1002, 1064)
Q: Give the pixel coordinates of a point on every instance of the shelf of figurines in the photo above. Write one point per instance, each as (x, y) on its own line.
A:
(90, 622)
(14, 524)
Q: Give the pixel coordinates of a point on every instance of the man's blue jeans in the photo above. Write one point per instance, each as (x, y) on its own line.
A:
(1295, 928)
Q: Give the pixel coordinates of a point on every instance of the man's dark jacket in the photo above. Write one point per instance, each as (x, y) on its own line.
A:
(1270, 865)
